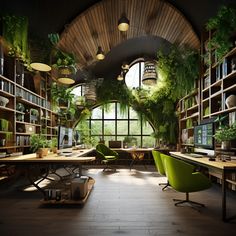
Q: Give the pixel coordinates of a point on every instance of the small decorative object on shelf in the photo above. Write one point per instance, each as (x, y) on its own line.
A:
(230, 101)
(3, 101)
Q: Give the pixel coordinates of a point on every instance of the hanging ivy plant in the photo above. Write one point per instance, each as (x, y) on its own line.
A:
(15, 34)
(223, 26)
(180, 70)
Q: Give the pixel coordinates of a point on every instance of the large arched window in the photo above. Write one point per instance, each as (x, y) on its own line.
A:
(112, 124)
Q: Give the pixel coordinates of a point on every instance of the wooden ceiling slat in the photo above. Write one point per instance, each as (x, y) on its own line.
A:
(97, 26)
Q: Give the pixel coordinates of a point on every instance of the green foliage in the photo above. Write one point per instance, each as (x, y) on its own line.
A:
(15, 33)
(59, 92)
(223, 24)
(107, 92)
(225, 133)
(38, 141)
(180, 70)
(62, 58)
(54, 142)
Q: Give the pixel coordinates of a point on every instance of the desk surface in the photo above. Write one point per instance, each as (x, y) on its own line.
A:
(133, 149)
(50, 158)
(205, 161)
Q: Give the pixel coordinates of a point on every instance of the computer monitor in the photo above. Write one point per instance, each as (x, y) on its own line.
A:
(65, 137)
(203, 136)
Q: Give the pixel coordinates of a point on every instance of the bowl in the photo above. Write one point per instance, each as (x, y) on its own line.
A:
(3, 101)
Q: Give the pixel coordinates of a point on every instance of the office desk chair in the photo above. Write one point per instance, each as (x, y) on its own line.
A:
(160, 166)
(183, 178)
(107, 155)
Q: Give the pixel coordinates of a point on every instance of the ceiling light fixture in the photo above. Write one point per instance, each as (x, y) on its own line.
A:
(123, 23)
(120, 77)
(125, 67)
(66, 74)
(100, 54)
(40, 66)
(149, 74)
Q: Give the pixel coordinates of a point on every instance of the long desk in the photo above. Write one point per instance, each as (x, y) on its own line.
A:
(30, 160)
(223, 168)
(137, 154)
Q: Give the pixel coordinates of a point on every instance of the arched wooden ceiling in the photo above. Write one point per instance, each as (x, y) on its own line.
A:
(97, 26)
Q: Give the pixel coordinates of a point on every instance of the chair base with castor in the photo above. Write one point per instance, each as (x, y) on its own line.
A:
(108, 166)
(191, 203)
(166, 185)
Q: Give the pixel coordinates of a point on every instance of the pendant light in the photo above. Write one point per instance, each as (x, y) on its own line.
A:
(66, 74)
(100, 54)
(123, 23)
(40, 66)
(149, 74)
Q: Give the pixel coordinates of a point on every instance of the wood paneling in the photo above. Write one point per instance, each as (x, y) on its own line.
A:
(98, 27)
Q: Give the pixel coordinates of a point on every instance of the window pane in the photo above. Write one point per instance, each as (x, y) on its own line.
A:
(109, 127)
(96, 127)
(111, 113)
(132, 76)
(77, 91)
(147, 129)
(97, 113)
(108, 138)
(135, 128)
(133, 114)
(148, 141)
(122, 114)
(122, 127)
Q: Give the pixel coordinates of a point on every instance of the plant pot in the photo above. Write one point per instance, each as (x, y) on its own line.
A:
(230, 101)
(42, 152)
(225, 145)
(54, 149)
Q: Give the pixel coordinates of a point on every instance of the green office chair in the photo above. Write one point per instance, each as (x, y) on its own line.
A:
(160, 167)
(107, 155)
(183, 178)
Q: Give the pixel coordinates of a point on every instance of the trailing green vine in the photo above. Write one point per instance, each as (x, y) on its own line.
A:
(223, 26)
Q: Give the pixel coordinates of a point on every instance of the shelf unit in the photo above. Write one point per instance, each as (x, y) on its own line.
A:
(188, 117)
(29, 109)
(217, 83)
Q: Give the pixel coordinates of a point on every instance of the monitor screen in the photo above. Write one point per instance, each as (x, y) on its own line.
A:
(65, 137)
(203, 136)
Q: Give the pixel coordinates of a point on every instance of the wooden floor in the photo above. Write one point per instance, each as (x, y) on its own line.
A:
(121, 203)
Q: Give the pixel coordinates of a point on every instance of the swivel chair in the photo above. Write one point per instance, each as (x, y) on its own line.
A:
(107, 155)
(160, 166)
(183, 178)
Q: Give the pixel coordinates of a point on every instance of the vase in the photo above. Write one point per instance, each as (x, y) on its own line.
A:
(230, 101)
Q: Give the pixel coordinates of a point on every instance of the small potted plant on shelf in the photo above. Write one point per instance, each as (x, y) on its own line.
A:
(39, 144)
(226, 134)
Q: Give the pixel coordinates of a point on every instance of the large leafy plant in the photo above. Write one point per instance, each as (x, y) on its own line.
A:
(223, 26)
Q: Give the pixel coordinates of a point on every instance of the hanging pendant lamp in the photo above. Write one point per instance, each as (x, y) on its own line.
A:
(149, 74)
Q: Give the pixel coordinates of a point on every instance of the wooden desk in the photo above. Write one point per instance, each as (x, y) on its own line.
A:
(137, 154)
(48, 162)
(223, 168)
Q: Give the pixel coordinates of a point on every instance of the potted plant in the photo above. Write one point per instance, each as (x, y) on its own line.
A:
(61, 96)
(226, 134)
(54, 143)
(39, 144)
